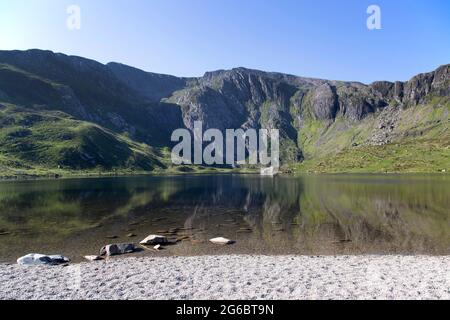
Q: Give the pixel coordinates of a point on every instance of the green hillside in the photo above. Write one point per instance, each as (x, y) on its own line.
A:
(37, 143)
(419, 142)
(66, 115)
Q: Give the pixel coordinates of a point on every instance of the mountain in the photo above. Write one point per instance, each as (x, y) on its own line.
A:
(67, 113)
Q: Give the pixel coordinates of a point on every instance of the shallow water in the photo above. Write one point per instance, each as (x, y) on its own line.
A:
(313, 215)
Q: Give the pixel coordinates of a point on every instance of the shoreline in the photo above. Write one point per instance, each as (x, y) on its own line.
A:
(200, 173)
(237, 277)
(56, 177)
(160, 255)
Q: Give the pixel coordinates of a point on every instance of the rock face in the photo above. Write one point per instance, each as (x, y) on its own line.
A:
(117, 249)
(34, 259)
(357, 102)
(324, 102)
(151, 86)
(414, 91)
(90, 91)
(146, 107)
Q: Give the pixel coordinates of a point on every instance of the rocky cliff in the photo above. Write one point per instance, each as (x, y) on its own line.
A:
(319, 120)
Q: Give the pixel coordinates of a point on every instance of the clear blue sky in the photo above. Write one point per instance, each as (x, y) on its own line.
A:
(323, 39)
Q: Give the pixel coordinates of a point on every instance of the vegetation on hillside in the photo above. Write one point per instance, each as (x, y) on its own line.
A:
(62, 115)
(420, 143)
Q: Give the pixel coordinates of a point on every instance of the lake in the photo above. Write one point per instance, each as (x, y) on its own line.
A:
(311, 215)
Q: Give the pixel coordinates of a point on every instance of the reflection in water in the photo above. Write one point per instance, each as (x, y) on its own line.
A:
(335, 214)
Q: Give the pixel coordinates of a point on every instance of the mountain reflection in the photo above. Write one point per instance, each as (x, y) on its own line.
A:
(335, 214)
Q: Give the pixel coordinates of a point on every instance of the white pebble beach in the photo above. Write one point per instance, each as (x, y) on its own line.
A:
(233, 277)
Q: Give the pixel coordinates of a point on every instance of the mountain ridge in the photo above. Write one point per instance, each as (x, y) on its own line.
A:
(317, 118)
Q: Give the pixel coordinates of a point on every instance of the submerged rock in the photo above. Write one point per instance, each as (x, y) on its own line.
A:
(245, 230)
(117, 249)
(154, 240)
(35, 259)
(221, 241)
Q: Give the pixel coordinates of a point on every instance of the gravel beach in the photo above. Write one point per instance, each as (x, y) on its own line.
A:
(234, 277)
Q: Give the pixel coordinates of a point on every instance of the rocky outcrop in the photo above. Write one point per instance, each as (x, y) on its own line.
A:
(416, 90)
(441, 81)
(151, 86)
(324, 102)
(356, 101)
(243, 98)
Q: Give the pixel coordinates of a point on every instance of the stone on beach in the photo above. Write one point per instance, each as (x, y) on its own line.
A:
(117, 249)
(93, 258)
(59, 259)
(154, 240)
(157, 247)
(35, 259)
(221, 241)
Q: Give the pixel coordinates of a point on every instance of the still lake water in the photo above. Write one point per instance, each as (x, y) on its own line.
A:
(313, 215)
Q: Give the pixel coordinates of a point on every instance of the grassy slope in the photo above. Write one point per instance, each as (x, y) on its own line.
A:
(421, 143)
(50, 143)
(38, 143)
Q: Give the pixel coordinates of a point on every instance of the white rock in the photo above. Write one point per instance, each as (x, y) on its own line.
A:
(58, 259)
(36, 259)
(221, 240)
(117, 249)
(270, 172)
(93, 258)
(157, 247)
(154, 240)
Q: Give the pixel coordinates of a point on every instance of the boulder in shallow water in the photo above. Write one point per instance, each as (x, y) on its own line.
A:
(154, 240)
(221, 241)
(36, 259)
(117, 249)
